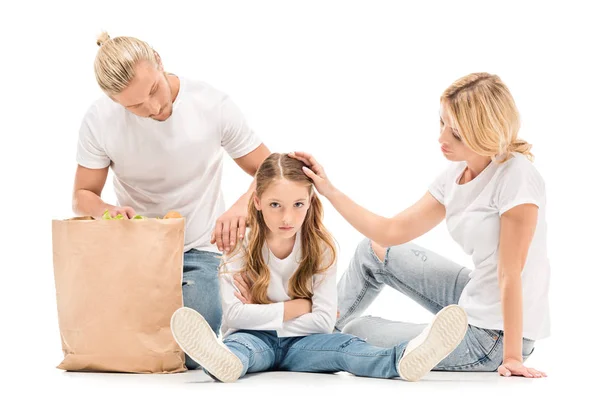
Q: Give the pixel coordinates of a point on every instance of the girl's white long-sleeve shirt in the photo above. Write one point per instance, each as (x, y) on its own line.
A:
(237, 315)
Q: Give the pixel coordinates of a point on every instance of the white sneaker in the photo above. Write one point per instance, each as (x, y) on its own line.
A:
(195, 336)
(439, 339)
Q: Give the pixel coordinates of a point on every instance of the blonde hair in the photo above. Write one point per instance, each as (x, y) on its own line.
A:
(318, 248)
(484, 112)
(116, 60)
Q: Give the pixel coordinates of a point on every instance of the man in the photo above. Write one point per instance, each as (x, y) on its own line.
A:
(163, 136)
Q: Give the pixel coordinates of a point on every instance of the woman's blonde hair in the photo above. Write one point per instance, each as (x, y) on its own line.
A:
(484, 112)
(116, 60)
(318, 248)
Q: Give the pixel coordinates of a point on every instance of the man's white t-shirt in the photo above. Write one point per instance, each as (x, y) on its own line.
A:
(473, 213)
(172, 165)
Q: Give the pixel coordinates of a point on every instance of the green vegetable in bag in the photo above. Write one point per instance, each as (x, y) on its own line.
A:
(106, 215)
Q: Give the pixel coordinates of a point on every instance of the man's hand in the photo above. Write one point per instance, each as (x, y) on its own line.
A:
(126, 212)
(230, 227)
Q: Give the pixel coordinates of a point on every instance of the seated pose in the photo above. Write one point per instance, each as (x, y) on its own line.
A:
(494, 203)
(279, 298)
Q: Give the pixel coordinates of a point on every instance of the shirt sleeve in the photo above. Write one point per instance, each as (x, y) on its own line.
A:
(324, 307)
(438, 187)
(519, 184)
(236, 136)
(246, 316)
(90, 153)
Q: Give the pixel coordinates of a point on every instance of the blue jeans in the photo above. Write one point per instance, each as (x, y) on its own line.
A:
(328, 352)
(432, 281)
(200, 288)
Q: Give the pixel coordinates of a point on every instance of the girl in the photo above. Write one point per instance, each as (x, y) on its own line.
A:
(494, 202)
(279, 298)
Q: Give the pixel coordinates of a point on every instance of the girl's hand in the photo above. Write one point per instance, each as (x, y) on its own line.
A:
(244, 285)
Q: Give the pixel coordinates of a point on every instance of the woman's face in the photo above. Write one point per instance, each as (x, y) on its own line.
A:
(450, 139)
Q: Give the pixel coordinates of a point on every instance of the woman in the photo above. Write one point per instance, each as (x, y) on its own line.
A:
(493, 200)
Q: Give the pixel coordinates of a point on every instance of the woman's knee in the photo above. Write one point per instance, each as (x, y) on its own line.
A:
(379, 251)
(367, 248)
(406, 253)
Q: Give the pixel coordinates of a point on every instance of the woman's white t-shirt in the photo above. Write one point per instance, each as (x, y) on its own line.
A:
(473, 213)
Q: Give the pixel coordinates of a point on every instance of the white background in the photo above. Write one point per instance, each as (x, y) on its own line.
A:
(355, 83)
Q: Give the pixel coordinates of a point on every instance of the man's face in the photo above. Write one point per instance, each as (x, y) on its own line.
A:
(148, 94)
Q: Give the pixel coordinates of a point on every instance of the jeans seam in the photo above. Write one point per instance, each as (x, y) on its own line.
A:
(348, 342)
(248, 345)
(360, 296)
(366, 282)
(251, 350)
(410, 289)
(464, 366)
(339, 351)
(485, 357)
(383, 271)
(354, 305)
(456, 283)
(497, 334)
(380, 263)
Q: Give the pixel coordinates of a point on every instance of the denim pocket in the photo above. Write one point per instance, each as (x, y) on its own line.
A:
(487, 338)
(477, 352)
(494, 334)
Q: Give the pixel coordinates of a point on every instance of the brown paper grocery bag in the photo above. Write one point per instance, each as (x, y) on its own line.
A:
(117, 284)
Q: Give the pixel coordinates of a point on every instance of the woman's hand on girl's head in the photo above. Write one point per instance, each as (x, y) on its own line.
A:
(243, 283)
(315, 172)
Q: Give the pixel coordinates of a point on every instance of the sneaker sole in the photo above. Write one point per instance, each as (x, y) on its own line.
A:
(193, 334)
(447, 331)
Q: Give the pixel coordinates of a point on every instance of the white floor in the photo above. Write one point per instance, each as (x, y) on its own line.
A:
(31, 353)
(30, 356)
(284, 385)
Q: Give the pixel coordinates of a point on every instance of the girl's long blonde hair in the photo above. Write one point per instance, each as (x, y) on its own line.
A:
(318, 248)
(115, 62)
(484, 112)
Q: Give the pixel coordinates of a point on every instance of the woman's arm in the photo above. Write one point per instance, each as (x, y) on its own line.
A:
(411, 223)
(408, 225)
(517, 227)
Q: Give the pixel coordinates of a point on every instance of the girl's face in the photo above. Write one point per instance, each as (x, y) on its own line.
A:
(284, 205)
